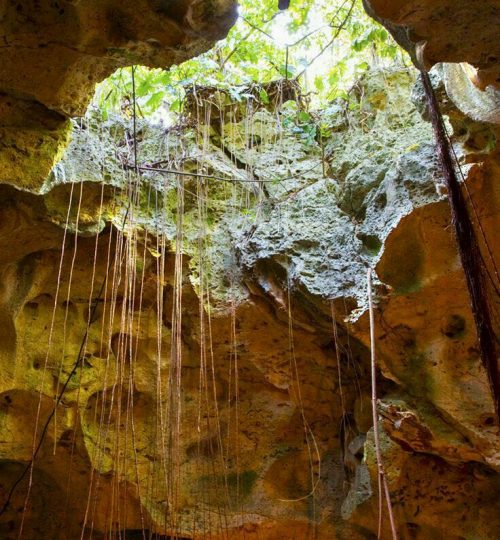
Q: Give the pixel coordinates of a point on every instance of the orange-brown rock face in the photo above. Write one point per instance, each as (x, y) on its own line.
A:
(446, 31)
(223, 393)
(54, 52)
(259, 424)
(441, 440)
(251, 418)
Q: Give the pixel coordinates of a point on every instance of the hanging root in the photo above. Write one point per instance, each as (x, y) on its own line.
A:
(468, 248)
(382, 480)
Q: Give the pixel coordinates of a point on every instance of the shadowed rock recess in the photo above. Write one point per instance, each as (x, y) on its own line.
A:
(266, 430)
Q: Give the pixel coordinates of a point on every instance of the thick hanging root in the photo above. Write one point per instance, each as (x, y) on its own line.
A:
(468, 247)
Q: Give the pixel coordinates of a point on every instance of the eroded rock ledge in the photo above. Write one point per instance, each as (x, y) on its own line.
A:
(52, 53)
(446, 31)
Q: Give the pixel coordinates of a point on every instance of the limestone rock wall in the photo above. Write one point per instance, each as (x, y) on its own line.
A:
(54, 52)
(282, 249)
(445, 31)
(266, 430)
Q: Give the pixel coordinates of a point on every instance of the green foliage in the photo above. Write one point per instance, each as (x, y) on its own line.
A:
(299, 122)
(326, 44)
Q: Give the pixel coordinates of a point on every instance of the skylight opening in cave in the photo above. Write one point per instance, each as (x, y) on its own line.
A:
(326, 46)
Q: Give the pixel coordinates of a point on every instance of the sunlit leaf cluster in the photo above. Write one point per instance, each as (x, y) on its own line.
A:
(325, 44)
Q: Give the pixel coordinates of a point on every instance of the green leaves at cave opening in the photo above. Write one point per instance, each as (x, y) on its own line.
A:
(326, 44)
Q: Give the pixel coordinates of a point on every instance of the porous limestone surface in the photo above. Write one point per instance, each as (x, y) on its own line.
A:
(275, 254)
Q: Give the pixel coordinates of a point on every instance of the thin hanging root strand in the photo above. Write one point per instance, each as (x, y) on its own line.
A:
(309, 434)
(382, 480)
(468, 248)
